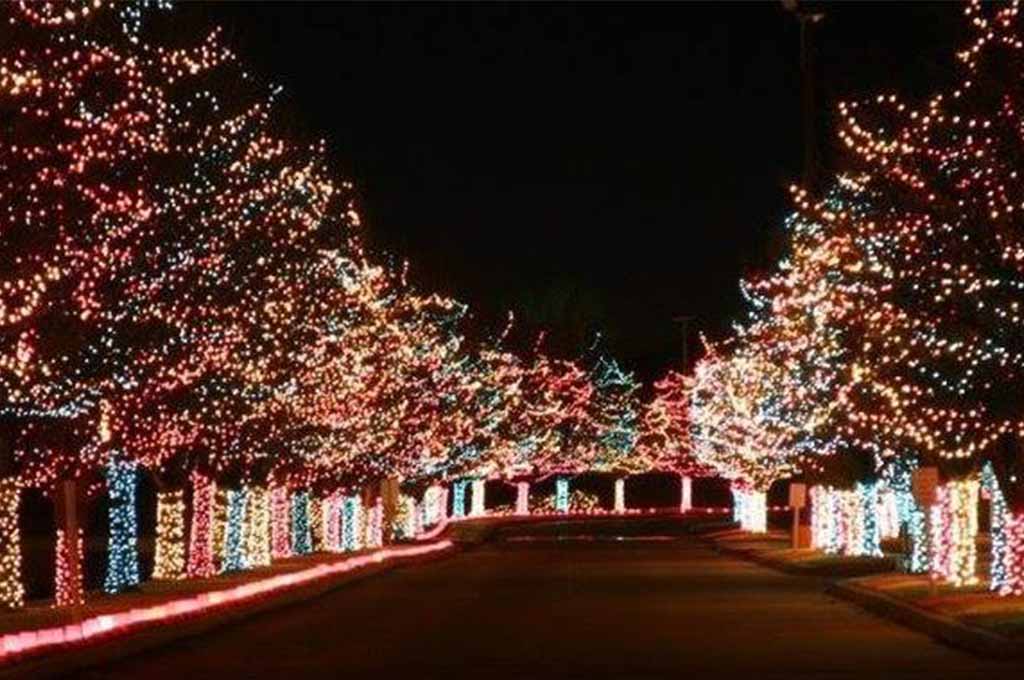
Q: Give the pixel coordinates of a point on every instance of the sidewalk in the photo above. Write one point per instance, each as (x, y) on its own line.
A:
(41, 641)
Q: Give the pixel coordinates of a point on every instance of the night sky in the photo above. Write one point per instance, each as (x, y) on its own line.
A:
(591, 167)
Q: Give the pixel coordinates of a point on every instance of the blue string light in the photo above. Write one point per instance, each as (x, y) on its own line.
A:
(122, 551)
(348, 525)
(459, 498)
(234, 534)
(302, 542)
(562, 494)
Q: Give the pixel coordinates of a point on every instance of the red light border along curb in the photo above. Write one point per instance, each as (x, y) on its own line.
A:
(15, 646)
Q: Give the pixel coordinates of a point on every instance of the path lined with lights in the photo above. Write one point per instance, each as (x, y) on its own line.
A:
(548, 609)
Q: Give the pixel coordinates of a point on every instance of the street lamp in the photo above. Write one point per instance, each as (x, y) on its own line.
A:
(807, 18)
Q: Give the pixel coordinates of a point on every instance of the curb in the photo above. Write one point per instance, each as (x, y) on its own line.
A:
(942, 628)
(96, 651)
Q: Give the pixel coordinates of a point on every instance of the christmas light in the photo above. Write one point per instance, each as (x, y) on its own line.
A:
(477, 507)
(620, 495)
(122, 543)
(200, 543)
(301, 538)
(257, 535)
(280, 523)
(522, 498)
(459, 500)
(561, 494)
(169, 559)
(233, 555)
(68, 589)
(12, 593)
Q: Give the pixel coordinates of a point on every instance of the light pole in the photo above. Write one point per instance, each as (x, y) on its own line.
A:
(684, 321)
(807, 19)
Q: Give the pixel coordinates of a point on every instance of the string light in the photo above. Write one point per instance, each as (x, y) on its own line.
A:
(280, 523)
(200, 543)
(561, 494)
(169, 558)
(302, 540)
(233, 555)
(257, 535)
(459, 500)
(68, 588)
(122, 544)
(12, 593)
(522, 498)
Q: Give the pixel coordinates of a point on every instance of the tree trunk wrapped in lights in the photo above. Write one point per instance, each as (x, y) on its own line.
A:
(953, 529)
(257, 535)
(751, 510)
(459, 498)
(12, 592)
(314, 511)
(620, 495)
(522, 498)
(302, 542)
(169, 559)
(478, 506)
(280, 523)
(233, 557)
(562, 494)
(685, 494)
(69, 585)
(122, 545)
(200, 542)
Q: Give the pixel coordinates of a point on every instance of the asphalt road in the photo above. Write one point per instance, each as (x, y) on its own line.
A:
(549, 608)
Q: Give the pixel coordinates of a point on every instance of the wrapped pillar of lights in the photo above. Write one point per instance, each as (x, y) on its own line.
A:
(220, 523)
(407, 517)
(562, 495)
(316, 523)
(888, 514)
(963, 513)
(459, 498)
(257, 534)
(169, 559)
(755, 512)
(328, 524)
(301, 539)
(122, 545)
(522, 498)
(821, 518)
(620, 495)
(739, 499)
(375, 527)
(478, 506)
(1012, 562)
(917, 534)
(12, 593)
(200, 542)
(442, 504)
(429, 505)
(280, 523)
(233, 556)
(68, 587)
(349, 520)
(870, 543)
(954, 531)
(685, 494)
(999, 579)
(849, 521)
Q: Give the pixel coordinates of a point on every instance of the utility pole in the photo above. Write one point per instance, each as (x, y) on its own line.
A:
(807, 18)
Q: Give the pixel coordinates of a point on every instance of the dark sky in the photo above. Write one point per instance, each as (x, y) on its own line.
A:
(588, 166)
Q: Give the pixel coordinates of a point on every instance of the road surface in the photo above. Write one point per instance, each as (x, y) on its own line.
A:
(544, 608)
